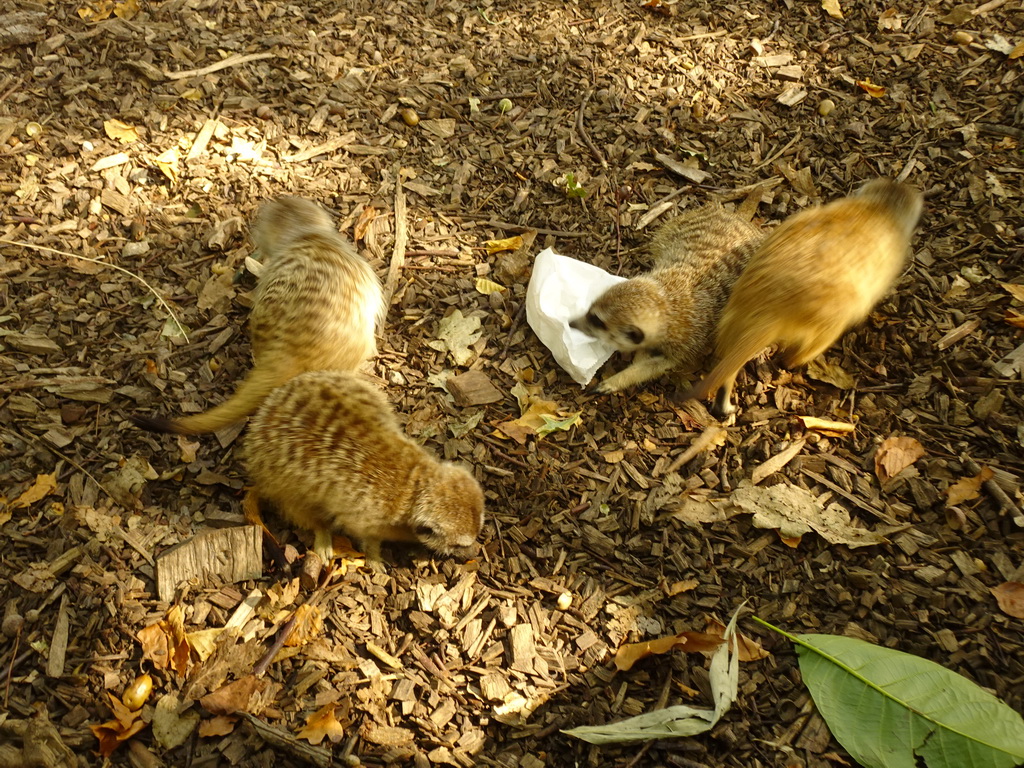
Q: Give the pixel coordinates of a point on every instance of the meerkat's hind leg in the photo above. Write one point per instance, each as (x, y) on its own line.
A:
(644, 367)
(323, 544)
(371, 549)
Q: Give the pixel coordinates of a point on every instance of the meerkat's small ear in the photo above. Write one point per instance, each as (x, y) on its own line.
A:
(636, 336)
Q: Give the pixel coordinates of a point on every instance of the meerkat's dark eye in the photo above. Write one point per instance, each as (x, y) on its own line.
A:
(636, 336)
(424, 531)
(595, 321)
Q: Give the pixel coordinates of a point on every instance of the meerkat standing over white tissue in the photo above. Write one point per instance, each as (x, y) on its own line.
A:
(668, 315)
(820, 272)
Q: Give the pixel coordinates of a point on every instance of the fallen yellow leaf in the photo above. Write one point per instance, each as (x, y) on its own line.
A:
(508, 244)
(43, 486)
(831, 7)
(487, 287)
(320, 724)
(967, 488)
(122, 132)
(168, 163)
(871, 89)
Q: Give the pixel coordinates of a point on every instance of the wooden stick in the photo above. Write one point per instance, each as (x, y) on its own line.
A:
(230, 61)
(401, 240)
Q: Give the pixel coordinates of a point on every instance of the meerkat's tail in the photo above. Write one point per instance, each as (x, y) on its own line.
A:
(247, 398)
(733, 356)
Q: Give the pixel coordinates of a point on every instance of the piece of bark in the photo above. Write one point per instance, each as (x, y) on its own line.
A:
(21, 28)
(281, 740)
(473, 388)
(232, 554)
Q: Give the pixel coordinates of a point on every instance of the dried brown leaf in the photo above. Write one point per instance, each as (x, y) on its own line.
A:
(233, 697)
(309, 624)
(894, 455)
(320, 724)
(749, 649)
(113, 733)
(691, 642)
(678, 587)
(1010, 596)
(221, 725)
(967, 488)
(369, 213)
(165, 644)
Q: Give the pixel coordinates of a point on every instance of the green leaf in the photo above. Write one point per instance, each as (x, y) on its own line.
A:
(886, 707)
(552, 423)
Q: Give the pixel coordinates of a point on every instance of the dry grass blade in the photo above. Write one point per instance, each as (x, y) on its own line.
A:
(128, 272)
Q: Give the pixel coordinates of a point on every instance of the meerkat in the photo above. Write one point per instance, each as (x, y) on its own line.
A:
(819, 273)
(326, 450)
(316, 307)
(667, 316)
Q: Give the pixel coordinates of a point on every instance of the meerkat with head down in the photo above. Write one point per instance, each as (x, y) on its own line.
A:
(316, 307)
(667, 316)
(819, 273)
(326, 451)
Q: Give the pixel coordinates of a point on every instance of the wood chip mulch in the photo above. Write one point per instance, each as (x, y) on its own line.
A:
(140, 137)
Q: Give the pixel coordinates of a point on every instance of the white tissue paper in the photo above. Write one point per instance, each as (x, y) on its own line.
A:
(562, 289)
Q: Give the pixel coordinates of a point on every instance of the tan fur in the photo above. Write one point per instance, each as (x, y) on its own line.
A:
(668, 315)
(816, 275)
(326, 450)
(316, 308)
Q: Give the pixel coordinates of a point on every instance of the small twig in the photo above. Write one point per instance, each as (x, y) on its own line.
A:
(1001, 130)
(72, 462)
(289, 626)
(230, 61)
(511, 329)
(1001, 497)
(773, 157)
(10, 668)
(583, 131)
(539, 231)
(12, 89)
(105, 264)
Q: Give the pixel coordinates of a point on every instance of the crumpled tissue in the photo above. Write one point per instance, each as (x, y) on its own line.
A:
(561, 290)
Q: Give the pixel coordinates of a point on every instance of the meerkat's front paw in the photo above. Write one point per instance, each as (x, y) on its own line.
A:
(608, 386)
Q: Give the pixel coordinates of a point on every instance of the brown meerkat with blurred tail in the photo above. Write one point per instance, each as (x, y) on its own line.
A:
(316, 307)
(820, 272)
(326, 450)
(668, 315)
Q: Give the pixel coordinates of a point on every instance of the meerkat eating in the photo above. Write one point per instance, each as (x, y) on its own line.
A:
(668, 315)
(316, 307)
(326, 450)
(820, 272)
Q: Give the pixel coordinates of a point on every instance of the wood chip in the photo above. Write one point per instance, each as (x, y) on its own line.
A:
(473, 388)
(231, 554)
